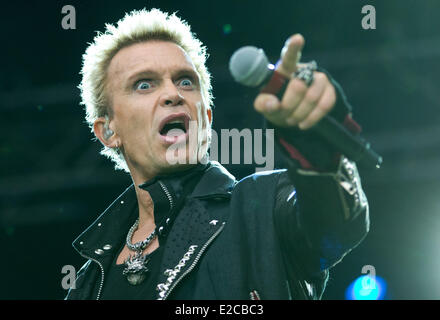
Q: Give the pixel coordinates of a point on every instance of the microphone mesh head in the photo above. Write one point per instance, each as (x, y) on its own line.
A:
(249, 66)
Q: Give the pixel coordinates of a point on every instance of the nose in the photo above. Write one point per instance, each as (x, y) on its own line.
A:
(171, 96)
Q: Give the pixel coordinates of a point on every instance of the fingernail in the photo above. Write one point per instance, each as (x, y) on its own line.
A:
(271, 104)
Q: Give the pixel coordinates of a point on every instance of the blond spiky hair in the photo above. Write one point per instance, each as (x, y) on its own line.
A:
(137, 26)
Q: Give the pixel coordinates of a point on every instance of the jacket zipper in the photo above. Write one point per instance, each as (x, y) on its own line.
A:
(254, 295)
(167, 193)
(196, 260)
(102, 274)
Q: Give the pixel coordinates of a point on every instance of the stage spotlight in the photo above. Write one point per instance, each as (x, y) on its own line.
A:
(366, 288)
(227, 29)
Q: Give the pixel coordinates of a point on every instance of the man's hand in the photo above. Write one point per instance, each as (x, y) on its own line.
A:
(300, 106)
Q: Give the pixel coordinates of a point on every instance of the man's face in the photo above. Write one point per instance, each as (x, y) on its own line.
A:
(154, 89)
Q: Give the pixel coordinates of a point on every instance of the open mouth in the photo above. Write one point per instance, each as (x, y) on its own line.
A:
(174, 127)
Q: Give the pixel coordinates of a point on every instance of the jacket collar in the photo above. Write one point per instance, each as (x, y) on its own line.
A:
(216, 181)
(105, 234)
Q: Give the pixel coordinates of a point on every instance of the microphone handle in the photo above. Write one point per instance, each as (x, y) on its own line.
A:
(352, 146)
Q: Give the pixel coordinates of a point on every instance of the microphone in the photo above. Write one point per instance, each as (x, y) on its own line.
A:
(250, 67)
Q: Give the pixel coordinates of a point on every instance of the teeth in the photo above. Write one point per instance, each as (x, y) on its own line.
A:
(176, 121)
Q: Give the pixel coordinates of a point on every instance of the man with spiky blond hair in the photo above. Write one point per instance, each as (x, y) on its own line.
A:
(189, 229)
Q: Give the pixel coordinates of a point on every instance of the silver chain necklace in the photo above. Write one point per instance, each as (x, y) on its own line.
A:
(136, 265)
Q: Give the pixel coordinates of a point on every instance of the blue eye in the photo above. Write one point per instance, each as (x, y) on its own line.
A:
(143, 85)
(186, 82)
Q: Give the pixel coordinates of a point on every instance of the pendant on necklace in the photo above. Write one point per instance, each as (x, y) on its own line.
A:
(136, 268)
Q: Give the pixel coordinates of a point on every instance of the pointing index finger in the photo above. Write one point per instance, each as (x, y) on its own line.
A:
(291, 54)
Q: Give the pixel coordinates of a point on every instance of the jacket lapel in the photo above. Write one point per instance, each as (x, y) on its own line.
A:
(101, 240)
(194, 228)
(193, 231)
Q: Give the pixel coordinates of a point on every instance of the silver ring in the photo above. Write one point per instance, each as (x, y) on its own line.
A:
(305, 72)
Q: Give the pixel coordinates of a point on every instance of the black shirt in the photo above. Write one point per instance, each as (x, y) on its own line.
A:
(116, 286)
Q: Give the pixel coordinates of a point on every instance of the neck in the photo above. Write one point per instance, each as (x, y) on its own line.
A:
(145, 202)
(146, 208)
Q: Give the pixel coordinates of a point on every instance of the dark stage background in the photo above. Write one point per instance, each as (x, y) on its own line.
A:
(53, 182)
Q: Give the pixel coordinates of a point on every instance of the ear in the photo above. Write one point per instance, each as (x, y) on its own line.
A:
(100, 128)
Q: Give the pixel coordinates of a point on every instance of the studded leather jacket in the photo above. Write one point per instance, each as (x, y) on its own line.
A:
(271, 235)
(238, 240)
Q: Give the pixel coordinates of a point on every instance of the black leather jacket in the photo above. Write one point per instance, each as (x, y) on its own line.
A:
(257, 238)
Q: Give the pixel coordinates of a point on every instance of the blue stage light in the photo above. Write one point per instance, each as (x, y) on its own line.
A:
(366, 288)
